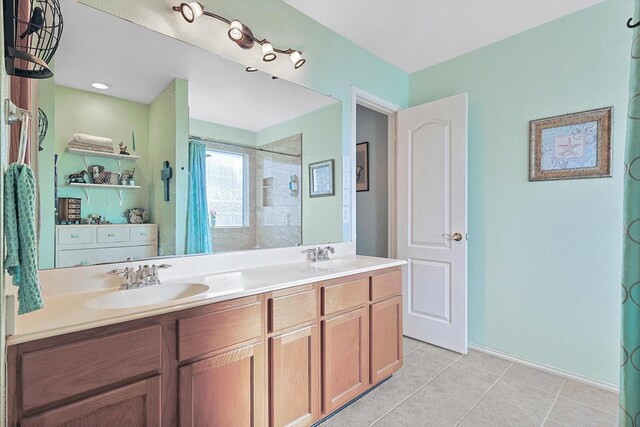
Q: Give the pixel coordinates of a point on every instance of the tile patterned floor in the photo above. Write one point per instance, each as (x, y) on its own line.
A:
(440, 388)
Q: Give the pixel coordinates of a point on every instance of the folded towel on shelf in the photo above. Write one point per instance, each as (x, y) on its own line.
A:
(90, 147)
(21, 237)
(90, 139)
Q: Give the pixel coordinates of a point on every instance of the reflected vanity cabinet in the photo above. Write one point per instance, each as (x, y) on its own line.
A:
(282, 358)
(78, 245)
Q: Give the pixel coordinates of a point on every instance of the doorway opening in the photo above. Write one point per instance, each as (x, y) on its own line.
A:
(372, 183)
(374, 208)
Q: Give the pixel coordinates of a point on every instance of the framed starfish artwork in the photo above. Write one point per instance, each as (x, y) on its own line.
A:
(571, 146)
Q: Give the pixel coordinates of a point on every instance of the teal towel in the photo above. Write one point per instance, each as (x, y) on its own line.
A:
(20, 235)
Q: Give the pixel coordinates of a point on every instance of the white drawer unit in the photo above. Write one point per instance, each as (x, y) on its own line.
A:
(97, 244)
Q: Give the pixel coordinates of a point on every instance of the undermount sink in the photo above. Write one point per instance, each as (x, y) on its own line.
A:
(155, 294)
(338, 264)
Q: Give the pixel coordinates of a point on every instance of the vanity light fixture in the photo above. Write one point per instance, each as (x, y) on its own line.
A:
(100, 85)
(240, 34)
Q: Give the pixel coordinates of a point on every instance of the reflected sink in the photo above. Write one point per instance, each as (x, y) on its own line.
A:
(155, 294)
(341, 264)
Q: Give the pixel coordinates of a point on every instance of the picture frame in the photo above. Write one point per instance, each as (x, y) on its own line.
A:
(362, 166)
(322, 179)
(571, 146)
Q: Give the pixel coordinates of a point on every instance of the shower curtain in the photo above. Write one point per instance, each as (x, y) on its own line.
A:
(630, 345)
(198, 226)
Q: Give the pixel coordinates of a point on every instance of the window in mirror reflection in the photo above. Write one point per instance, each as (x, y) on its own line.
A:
(226, 194)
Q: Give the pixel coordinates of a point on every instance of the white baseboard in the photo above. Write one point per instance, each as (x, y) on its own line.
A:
(547, 368)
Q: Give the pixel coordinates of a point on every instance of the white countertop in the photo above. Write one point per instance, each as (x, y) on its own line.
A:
(70, 312)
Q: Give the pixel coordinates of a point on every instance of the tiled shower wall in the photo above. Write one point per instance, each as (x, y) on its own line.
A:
(279, 210)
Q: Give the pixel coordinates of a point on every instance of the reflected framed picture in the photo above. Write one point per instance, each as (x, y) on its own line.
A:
(362, 166)
(571, 146)
(321, 179)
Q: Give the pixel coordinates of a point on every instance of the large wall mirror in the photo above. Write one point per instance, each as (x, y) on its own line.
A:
(179, 152)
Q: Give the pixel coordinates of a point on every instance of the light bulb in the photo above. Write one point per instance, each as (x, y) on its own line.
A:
(268, 54)
(191, 11)
(235, 30)
(297, 59)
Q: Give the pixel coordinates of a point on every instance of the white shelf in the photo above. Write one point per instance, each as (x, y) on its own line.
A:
(88, 153)
(86, 187)
(91, 153)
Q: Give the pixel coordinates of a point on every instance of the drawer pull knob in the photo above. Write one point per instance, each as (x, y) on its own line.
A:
(75, 236)
(111, 235)
(143, 234)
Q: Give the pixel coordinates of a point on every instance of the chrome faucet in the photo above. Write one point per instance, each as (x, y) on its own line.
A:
(320, 254)
(145, 276)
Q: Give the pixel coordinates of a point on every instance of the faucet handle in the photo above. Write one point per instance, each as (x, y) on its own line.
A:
(330, 249)
(313, 254)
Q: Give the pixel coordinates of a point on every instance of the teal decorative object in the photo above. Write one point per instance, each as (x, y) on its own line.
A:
(630, 345)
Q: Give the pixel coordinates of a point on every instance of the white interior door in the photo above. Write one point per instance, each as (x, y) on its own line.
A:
(432, 220)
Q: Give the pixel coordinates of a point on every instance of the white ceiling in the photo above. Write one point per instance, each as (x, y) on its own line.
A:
(139, 63)
(415, 34)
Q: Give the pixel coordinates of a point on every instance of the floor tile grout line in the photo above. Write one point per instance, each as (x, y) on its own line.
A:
(554, 403)
(485, 393)
(579, 402)
(412, 351)
(417, 390)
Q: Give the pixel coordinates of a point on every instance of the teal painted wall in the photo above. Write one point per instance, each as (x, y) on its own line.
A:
(333, 65)
(320, 129)
(544, 257)
(168, 137)
(46, 241)
(221, 133)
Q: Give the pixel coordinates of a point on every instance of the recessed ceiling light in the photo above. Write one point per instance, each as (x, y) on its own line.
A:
(100, 85)
(251, 69)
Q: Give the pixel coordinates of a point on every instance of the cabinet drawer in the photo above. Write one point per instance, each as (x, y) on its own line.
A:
(386, 285)
(143, 233)
(211, 332)
(136, 404)
(76, 235)
(291, 310)
(58, 373)
(77, 257)
(343, 296)
(113, 234)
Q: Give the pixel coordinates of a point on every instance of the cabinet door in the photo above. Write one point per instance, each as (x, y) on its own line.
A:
(346, 358)
(134, 405)
(224, 390)
(386, 338)
(294, 359)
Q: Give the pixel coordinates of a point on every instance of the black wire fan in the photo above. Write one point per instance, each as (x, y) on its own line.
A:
(31, 37)
(43, 126)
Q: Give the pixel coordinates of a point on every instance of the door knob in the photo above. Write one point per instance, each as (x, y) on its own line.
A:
(456, 236)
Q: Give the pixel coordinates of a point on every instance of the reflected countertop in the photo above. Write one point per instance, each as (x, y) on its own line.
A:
(72, 312)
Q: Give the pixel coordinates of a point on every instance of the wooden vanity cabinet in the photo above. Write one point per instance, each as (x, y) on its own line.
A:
(224, 390)
(294, 357)
(385, 324)
(222, 377)
(282, 358)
